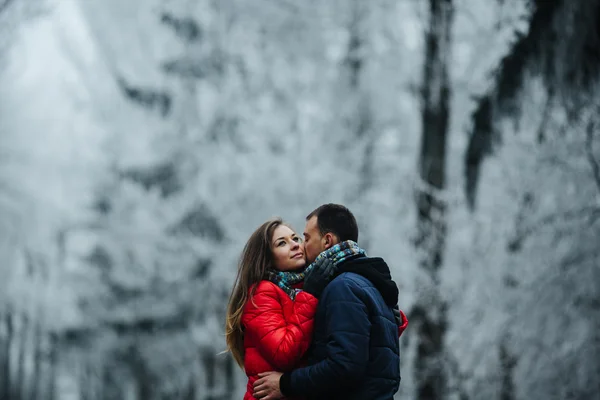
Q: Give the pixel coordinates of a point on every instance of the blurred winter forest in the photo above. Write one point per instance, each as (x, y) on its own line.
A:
(142, 141)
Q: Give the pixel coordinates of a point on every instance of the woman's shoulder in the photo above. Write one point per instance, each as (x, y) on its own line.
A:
(265, 288)
(266, 296)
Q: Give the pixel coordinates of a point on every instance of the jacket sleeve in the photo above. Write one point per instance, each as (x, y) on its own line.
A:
(348, 329)
(403, 323)
(281, 328)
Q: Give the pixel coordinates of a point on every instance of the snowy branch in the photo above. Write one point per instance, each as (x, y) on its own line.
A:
(450, 197)
(154, 99)
(591, 212)
(578, 258)
(167, 323)
(5, 5)
(186, 28)
(595, 164)
(289, 6)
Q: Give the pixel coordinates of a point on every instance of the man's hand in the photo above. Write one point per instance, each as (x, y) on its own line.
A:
(267, 386)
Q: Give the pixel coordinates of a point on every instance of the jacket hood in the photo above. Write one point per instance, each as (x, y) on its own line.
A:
(377, 271)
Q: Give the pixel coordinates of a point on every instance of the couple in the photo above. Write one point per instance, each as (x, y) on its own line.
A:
(324, 331)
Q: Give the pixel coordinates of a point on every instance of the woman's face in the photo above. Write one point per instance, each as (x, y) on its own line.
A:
(288, 249)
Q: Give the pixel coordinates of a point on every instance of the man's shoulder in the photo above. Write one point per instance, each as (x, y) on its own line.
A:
(346, 283)
(349, 278)
(363, 261)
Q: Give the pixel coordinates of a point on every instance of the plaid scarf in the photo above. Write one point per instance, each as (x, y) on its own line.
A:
(338, 253)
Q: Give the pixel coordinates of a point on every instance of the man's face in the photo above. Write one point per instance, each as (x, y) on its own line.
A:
(313, 240)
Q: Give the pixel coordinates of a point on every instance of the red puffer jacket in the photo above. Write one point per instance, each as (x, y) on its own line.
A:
(277, 331)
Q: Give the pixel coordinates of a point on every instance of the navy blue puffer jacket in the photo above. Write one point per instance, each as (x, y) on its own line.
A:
(355, 351)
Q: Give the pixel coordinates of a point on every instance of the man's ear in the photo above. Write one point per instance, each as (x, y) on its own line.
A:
(330, 240)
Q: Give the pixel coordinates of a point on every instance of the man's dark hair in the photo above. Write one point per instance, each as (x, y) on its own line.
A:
(336, 219)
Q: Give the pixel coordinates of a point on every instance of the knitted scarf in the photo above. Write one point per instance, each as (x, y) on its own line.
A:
(338, 253)
(286, 279)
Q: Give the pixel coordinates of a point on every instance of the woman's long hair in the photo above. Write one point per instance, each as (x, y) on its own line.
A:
(256, 258)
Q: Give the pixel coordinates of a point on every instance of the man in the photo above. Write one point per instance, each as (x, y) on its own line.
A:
(355, 351)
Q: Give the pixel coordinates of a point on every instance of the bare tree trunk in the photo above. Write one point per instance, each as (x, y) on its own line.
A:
(52, 366)
(141, 375)
(85, 384)
(229, 377)
(508, 362)
(210, 363)
(360, 116)
(91, 378)
(109, 389)
(21, 378)
(430, 310)
(39, 360)
(537, 48)
(6, 341)
(190, 392)
(354, 61)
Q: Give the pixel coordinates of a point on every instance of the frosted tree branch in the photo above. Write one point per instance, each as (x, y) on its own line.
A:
(4, 4)
(290, 6)
(424, 187)
(577, 258)
(594, 163)
(592, 212)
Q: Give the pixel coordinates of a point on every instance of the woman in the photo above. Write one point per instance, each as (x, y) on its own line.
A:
(269, 319)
